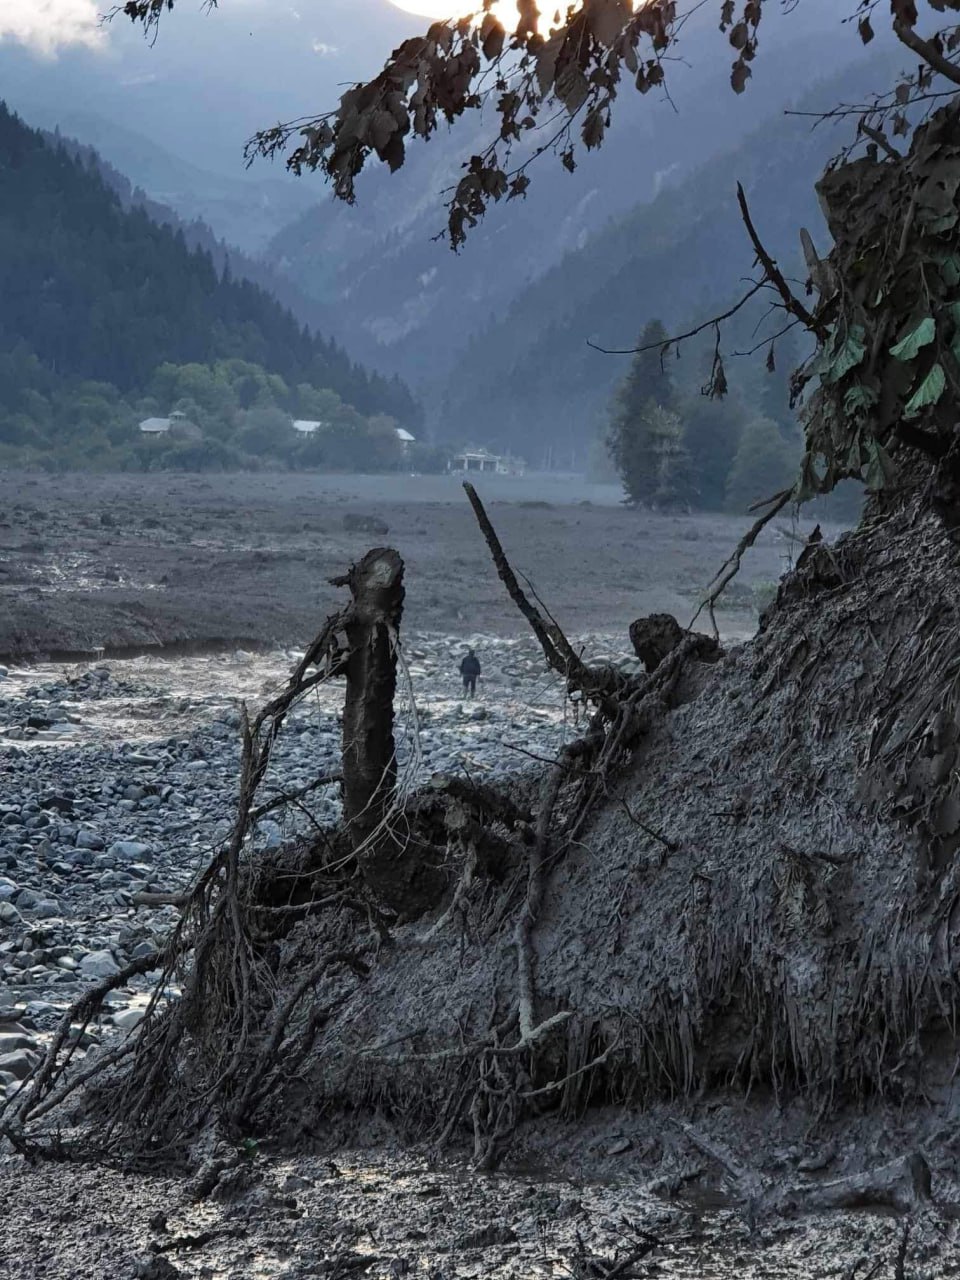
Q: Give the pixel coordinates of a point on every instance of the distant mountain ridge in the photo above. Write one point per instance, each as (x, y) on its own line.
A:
(244, 209)
(403, 302)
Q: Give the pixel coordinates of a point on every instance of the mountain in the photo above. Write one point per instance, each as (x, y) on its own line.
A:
(197, 234)
(173, 113)
(403, 301)
(93, 291)
(244, 211)
(529, 379)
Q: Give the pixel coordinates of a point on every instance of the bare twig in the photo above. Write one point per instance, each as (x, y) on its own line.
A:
(774, 275)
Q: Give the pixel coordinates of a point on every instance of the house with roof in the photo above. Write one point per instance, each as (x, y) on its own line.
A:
(177, 426)
(483, 461)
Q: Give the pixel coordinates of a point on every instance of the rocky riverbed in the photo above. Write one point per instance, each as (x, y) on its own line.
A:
(120, 778)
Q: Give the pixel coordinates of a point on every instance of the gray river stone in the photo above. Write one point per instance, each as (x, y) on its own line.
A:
(99, 964)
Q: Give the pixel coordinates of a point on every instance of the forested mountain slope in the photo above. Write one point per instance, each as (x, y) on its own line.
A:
(93, 291)
(198, 232)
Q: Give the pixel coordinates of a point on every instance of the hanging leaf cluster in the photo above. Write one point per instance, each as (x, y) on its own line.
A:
(552, 84)
(887, 372)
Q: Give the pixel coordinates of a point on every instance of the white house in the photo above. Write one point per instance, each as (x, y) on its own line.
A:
(490, 463)
(305, 427)
(176, 424)
(155, 426)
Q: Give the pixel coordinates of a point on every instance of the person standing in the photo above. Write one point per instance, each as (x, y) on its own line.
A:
(470, 672)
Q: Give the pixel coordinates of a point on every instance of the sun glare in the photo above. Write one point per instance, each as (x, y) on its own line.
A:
(506, 10)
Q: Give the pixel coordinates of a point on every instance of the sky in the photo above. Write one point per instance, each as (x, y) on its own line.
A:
(207, 81)
(211, 79)
(48, 25)
(45, 25)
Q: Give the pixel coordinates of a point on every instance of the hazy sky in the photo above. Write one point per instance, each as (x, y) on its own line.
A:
(211, 79)
(45, 25)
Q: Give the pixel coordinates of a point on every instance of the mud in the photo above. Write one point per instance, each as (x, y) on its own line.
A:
(388, 1215)
(130, 563)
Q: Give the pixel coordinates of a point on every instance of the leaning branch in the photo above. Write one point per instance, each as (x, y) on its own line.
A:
(927, 51)
(682, 337)
(774, 275)
(732, 566)
(557, 649)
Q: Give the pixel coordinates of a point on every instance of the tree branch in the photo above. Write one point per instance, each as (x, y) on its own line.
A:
(682, 337)
(774, 275)
(927, 51)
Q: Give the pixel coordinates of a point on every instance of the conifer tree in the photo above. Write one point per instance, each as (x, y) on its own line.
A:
(630, 441)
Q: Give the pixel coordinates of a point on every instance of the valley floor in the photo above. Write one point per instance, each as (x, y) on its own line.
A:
(131, 562)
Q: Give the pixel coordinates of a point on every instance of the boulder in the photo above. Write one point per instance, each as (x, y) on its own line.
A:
(20, 1063)
(129, 850)
(89, 840)
(99, 964)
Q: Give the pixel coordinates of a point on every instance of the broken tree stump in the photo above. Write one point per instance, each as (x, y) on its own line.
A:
(403, 874)
(372, 625)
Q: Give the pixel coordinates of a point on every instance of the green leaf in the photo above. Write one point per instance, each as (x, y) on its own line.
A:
(859, 397)
(928, 393)
(848, 356)
(950, 270)
(880, 468)
(920, 336)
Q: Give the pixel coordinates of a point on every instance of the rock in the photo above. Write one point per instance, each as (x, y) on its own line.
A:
(129, 850)
(47, 909)
(99, 964)
(89, 840)
(14, 1040)
(155, 1267)
(270, 833)
(8, 888)
(9, 915)
(127, 1019)
(19, 1064)
(26, 899)
(620, 1147)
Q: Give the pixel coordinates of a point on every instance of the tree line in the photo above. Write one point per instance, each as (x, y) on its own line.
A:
(676, 449)
(235, 415)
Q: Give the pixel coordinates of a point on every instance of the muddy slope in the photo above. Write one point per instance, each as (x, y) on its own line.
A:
(797, 937)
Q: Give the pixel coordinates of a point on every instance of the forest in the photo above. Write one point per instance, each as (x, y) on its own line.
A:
(97, 298)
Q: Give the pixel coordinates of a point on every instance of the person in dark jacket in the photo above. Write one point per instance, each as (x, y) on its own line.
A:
(470, 671)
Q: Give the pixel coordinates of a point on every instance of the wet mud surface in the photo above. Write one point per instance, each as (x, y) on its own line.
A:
(133, 562)
(389, 1215)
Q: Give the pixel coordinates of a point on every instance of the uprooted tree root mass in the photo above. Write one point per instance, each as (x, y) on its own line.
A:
(741, 876)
